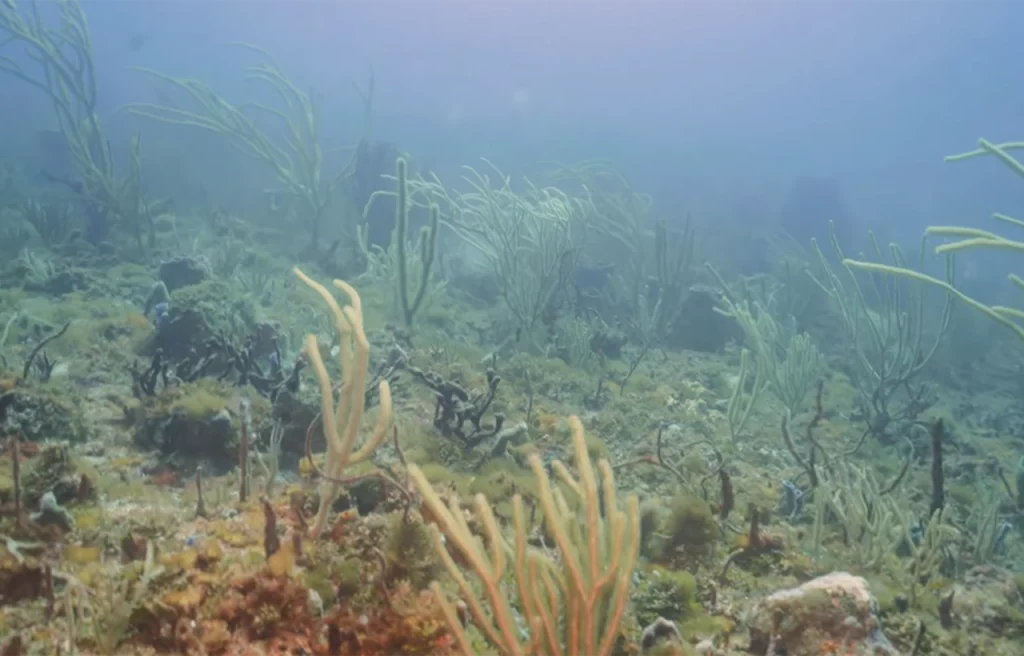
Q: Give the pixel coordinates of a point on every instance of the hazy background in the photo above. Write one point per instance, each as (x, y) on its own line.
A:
(714, 107)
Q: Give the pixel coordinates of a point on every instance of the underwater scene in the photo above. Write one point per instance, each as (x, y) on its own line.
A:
(513, 328)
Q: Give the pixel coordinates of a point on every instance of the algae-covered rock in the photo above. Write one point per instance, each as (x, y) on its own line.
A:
(990, 600)
(198, 313)
(47, 411)
(296, 411)
(835, 611)
(699, 326)
(667, 594)
(21, 575)
(198, 422)
(48, 470)
(689, 531)
(182, 272)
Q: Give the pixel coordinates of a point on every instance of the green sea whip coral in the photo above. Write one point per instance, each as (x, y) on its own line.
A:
(423, 265)
(66, 74)
(297, 162)
(972, 238)
(530, 238)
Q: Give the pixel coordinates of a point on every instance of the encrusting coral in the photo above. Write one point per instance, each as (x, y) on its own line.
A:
(573, 605)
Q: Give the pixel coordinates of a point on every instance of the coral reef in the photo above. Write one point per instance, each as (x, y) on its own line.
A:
(203, 450)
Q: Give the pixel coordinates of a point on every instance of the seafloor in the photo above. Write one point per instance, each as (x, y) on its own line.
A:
(126, 532)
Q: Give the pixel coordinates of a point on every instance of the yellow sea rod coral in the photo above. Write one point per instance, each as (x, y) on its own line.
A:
(573, 605)
(341, 420)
